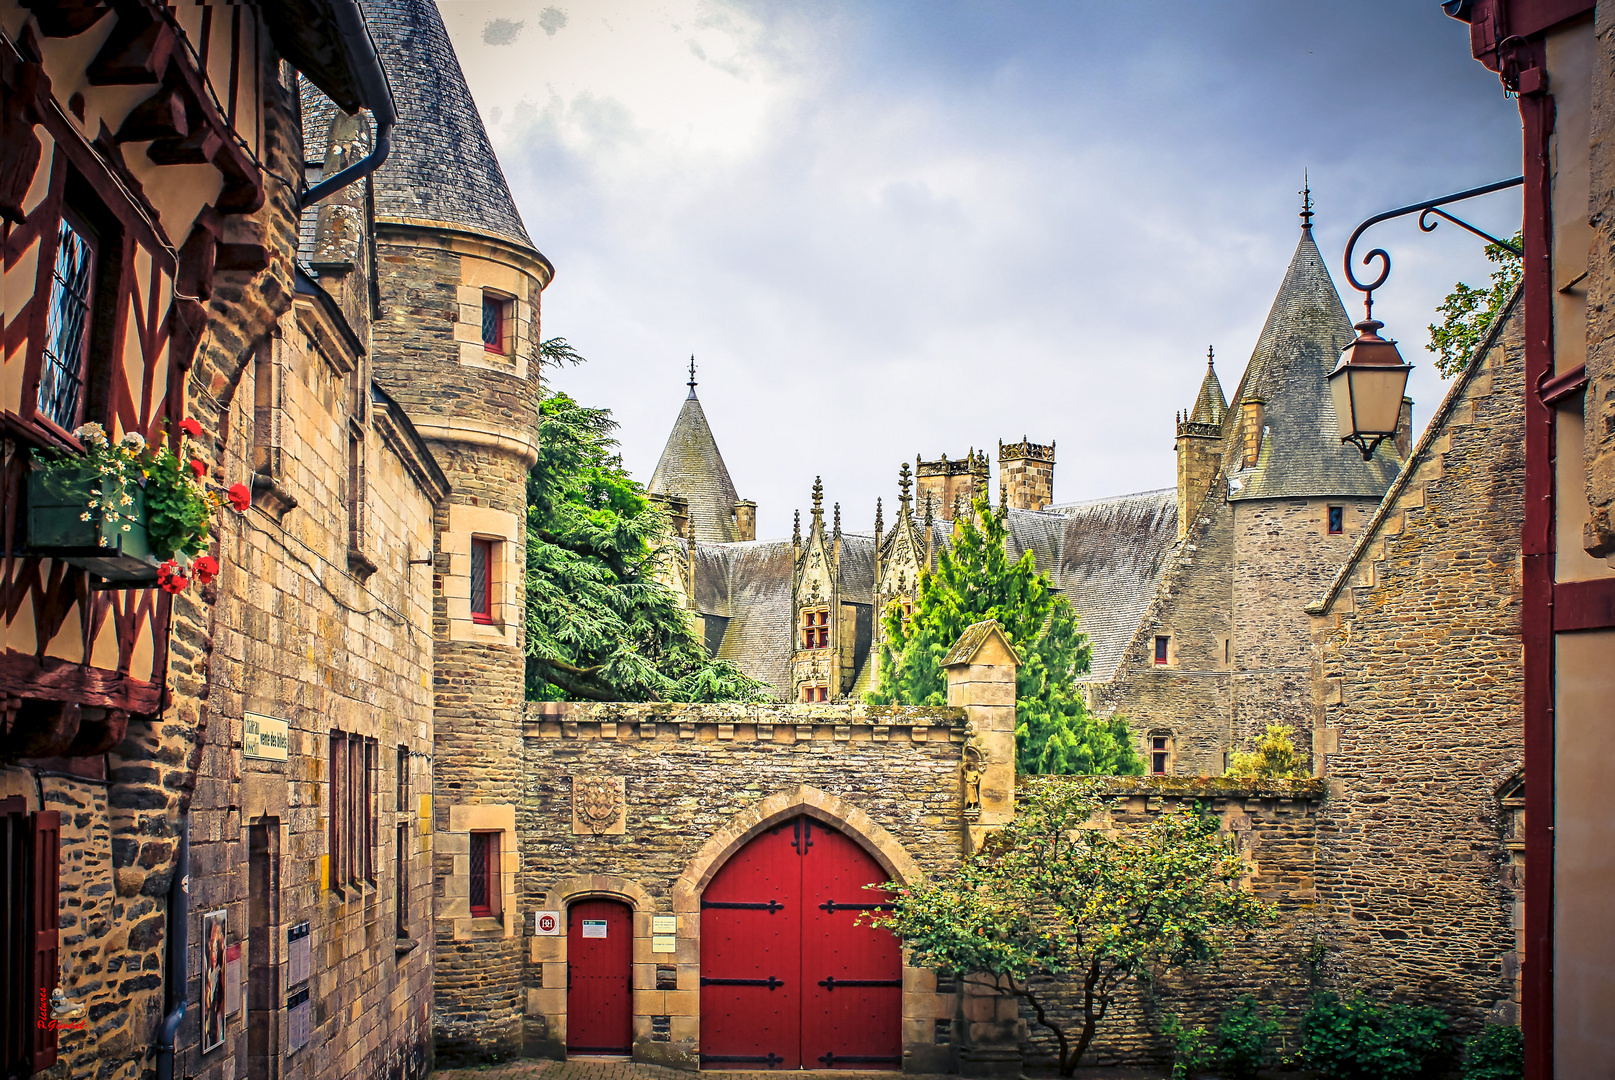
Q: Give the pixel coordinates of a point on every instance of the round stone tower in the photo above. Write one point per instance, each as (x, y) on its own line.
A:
(456, 344)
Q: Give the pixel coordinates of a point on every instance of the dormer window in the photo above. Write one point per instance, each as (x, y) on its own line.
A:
(1163, 644)
(496, 322)
(816, 629)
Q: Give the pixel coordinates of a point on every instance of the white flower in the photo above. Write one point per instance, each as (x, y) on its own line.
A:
(134, 440)
(92, 433)
(126, 500)
(84, 516)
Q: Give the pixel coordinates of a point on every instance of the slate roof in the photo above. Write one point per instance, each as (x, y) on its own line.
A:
(1110, 558)
(442, 167)
(1210, 407)
(760, 634)
(1301, 342)
(692, 467)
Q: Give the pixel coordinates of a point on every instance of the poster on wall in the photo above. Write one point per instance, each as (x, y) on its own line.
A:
(213, 949)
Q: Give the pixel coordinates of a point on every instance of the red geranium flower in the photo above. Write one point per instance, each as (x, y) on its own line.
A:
(240, 497)
(206, 568)
(199, 467)
(190, 427)
(175, 583)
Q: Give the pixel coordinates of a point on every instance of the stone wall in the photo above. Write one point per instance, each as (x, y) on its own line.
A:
(698, 780)
(1275, 825)
(1419, 711)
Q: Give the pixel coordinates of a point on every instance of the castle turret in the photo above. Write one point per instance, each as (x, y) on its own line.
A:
(1199, 444)
(1026, 474)
(692, 467)
(459, 283)
(946, 482)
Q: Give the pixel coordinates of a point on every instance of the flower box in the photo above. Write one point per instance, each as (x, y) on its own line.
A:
(57, 527)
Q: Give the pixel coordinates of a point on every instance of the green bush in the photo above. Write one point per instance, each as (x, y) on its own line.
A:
(1497, 1053)
(1359, 1039)
(1192, 1050)
(1243, 1036)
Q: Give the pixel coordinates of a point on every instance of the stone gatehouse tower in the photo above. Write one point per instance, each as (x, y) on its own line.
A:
(456, 345)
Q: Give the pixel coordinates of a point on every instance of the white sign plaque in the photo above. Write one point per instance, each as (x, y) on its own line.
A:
(664, 924)
(594, 928)
(663, 943)
(265, 737)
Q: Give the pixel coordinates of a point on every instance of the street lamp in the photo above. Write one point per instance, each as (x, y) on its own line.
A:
(1367, 385)
(1371, 377)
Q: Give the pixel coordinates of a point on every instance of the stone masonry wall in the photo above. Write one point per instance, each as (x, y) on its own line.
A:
(1274, 824)
(692, 772)
(1420, 713)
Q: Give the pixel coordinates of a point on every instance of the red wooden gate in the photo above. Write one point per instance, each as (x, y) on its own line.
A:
(787, 978)
(599, 977)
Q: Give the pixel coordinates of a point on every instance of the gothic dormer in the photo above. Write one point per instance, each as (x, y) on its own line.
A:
(902, 556)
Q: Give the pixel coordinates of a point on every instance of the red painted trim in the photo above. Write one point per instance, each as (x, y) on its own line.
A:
(1554, 390)
(1537, 544)
(1584, 605)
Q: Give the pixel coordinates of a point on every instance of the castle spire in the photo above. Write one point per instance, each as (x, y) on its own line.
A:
(1306, 203)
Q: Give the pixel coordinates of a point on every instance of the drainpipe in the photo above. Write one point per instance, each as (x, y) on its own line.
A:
(179, 921)
(375, 93)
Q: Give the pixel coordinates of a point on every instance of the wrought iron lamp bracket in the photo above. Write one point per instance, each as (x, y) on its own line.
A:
(1425, 210)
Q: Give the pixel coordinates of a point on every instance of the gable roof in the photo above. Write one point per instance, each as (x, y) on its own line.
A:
(1302, 455)
(691, 467)
(976, 638)
(442, 169)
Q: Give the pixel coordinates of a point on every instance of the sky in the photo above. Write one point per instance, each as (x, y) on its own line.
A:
(920, 226)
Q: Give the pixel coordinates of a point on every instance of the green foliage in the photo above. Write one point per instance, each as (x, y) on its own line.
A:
(1497, 1053)
(1467, 313)
(1275, 757)
(976, 580)
(1048, 897)
(1359, 1039)
(1192, 1050)
(600, 625)
(1243, 1037)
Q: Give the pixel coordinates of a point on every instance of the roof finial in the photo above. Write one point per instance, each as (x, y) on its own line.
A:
(1211, 357)
(928, 517)
(838, 520)
(818, 500)
(1306, 202)
(796, 527)
(903, 484)
(692, 374)
(878, 521)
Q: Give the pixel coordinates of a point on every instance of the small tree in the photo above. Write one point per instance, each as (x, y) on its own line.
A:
(1275, 757)
(1049, 897)
(1467, 313)
(976, 580)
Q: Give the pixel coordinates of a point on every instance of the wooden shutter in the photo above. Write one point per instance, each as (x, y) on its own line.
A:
(44, 889)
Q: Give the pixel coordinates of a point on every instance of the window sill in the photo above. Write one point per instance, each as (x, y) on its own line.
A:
(405, 946)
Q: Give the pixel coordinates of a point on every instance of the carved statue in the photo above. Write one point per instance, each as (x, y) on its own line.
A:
(975, 763)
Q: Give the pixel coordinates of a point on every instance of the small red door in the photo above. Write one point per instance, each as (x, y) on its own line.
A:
(599, 977)
(788, 980)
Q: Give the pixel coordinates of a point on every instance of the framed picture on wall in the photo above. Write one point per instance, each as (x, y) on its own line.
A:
(213, 950)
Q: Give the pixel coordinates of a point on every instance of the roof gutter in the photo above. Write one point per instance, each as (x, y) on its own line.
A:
(378, 98)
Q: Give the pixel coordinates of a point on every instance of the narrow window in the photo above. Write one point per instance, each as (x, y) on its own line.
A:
(403, 780)
(1160, 754)
(338, 807)
(823, 692)
(355, 795)
(495, 314)
(372, 771)
(481, 581)
(401, 882)
(1337, 520)
(1161, 644)
(484, 874)
(67, 327)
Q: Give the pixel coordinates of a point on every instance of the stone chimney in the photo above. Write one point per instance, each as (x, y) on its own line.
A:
(1404, 429)
(745, 520)
(677, 509)
(948, 481)
(1026, 472)
(1251, 416)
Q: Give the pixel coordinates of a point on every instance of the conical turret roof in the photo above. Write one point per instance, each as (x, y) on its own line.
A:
(442, 168)
(1302, 454)
(692, 468)
(1210, 407)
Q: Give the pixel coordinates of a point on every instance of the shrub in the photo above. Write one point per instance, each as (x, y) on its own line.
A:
(1243, 1036)
(1275, 757)
(1191, 1048)
(1359, 1039)
(1497, 1053)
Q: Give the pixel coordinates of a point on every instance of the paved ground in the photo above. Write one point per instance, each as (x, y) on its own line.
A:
(627, 1070)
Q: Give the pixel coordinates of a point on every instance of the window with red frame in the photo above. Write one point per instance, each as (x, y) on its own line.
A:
(495, 318)
(1161, 645)
(482, 580)
(30, 873)
(1160, 754)
(815, 630)
(484, 874)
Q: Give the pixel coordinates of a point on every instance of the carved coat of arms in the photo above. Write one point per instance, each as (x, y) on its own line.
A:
(599, 805)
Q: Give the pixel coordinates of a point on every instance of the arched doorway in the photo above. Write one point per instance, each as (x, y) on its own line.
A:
(789, 979)
(599, 977)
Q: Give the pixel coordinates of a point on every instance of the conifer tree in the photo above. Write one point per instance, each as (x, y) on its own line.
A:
(974, 580)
